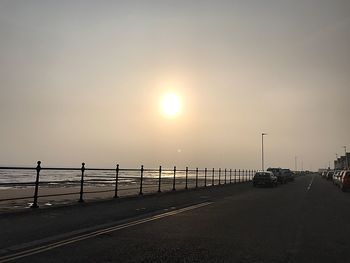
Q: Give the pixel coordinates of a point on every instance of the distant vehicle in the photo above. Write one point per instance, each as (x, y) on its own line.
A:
(324, 173)
(278, 172)
(329, 175)
(289, 176)
(345, 180)
(265, 178)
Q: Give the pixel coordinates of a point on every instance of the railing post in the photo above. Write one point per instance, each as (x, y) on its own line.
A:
(235, 176)
(82, 169)
(159, 178)
(225, 175)
(186, 177)
(116, 181)
(174, 178)
(212, 179)
(35, 201)
(239, 175)
(205, 177)
(230, 176)
(219, 176)
(196, 177)
(141, 180)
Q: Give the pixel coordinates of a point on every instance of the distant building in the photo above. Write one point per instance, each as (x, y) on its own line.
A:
(342, 162)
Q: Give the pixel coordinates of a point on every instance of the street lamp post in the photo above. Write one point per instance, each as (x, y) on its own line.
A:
(262, 150)
(302, 165)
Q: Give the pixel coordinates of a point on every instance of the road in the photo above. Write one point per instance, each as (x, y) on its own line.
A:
(307, 220)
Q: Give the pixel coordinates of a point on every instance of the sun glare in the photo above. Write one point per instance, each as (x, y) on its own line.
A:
(170, 105)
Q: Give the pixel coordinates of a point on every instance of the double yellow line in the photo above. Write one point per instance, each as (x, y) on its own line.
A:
(71, 240)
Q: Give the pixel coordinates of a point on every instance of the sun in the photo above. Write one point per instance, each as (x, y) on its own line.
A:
(170, 105)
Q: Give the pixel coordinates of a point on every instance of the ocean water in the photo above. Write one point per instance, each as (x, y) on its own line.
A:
(10, 178)
(18, 178)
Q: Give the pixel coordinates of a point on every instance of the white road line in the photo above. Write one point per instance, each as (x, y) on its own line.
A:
(67, 241)
(312, 180)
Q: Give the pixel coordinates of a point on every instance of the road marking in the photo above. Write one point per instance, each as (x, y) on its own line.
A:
(312, 180)
(71, 240)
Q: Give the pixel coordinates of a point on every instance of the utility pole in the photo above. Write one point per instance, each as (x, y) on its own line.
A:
(262, 150)
(346, 159)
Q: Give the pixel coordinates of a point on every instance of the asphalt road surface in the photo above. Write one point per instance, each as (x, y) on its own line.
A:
(307, 220)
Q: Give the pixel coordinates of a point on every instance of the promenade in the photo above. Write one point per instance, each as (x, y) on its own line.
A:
(295, 222)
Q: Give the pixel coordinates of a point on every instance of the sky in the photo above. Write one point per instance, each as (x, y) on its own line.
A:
(83, 81)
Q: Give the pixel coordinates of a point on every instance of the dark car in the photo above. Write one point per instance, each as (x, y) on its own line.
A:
(288, 174)
(345, 181)
(264, 178)
(329, 175)
(281, 177)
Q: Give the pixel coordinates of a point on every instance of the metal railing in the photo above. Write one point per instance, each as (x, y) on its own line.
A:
(123, 179)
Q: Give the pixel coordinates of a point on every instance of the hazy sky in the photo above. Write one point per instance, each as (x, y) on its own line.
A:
(82, 81)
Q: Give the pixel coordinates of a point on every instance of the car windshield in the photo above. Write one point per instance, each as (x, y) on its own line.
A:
(262, 175)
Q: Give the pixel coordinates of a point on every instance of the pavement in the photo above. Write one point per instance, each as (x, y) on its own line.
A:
(307, 220)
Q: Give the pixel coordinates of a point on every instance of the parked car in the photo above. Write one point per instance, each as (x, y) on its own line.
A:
(281, 177)
(345, 181)
(265, 178)
(336, 178)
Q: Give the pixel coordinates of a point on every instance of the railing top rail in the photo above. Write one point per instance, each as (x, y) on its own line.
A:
(69, 168)
(17, 168)
(113, 169)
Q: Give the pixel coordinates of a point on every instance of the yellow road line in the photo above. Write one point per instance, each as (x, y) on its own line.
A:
(71, 240)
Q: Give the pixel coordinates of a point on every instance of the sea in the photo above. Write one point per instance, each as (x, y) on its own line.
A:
(19, 178)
